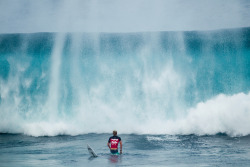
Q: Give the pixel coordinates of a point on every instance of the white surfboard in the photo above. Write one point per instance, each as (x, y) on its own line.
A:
(91, 151)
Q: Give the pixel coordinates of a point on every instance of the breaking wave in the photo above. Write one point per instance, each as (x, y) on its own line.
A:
(146, 83)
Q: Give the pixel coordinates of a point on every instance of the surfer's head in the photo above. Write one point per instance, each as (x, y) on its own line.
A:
(114, 132)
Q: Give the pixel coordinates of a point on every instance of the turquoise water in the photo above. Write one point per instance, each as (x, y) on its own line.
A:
(152, 83)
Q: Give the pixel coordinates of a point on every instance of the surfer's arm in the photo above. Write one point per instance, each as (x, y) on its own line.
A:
(108, 145)
(120, 147)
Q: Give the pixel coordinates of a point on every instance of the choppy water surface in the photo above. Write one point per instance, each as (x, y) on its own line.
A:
(138, 150)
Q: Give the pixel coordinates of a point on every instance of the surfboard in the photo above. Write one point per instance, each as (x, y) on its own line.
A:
(91, 151)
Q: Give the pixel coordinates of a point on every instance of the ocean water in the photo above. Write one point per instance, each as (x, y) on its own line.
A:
(138, 150)
(177, 98)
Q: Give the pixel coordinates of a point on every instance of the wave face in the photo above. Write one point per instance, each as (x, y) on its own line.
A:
(146, 83)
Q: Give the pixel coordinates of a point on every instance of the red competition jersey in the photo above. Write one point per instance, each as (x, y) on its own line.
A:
(114, 140)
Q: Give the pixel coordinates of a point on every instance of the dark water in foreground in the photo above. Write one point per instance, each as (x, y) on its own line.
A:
(138, 150)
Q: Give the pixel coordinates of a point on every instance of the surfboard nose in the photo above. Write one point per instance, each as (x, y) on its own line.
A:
(91, 151)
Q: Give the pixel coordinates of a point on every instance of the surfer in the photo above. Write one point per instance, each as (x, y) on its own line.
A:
(113, 143)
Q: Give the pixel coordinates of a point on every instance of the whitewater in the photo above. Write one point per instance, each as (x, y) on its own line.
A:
(172, 77)
(146, 83)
